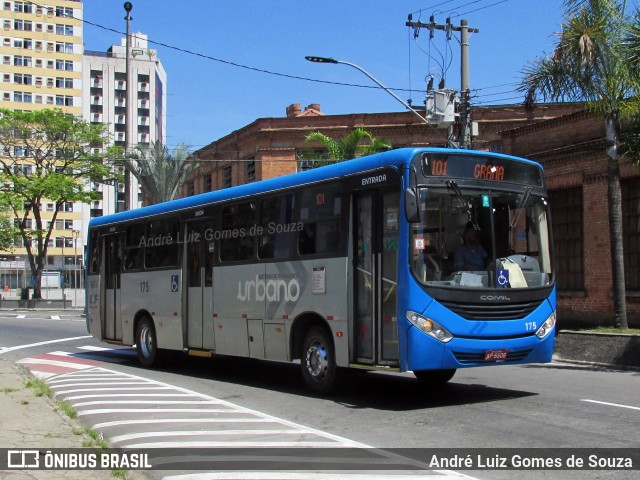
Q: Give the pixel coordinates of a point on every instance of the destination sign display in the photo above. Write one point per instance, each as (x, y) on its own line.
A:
(479, 167)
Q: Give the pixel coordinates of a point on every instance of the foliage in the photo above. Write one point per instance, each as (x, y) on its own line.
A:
(47, 156)
(161, 173)
(9, 235)
(345, 148)
(597, 60)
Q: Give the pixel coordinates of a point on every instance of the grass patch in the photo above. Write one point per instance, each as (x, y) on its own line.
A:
(66, 408)
(39, 387)
(9, 390)
(94, 439)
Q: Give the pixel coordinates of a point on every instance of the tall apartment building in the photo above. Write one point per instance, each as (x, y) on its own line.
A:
(142, 116)
(41, 50)
(45, 65)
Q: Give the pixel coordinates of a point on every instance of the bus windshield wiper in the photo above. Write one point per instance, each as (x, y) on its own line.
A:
(454, 186)
(520, 207)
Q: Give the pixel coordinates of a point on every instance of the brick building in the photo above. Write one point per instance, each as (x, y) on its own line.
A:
(572, 149)
(569, 142)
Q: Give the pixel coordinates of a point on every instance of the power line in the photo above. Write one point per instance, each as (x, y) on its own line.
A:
(478, 9)
(247, 67)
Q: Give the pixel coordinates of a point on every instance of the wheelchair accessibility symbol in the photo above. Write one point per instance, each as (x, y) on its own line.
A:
(503, 278)
(175, 283)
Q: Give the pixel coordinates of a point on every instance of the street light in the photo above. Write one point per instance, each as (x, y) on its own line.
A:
(333, 60)
(128, 6)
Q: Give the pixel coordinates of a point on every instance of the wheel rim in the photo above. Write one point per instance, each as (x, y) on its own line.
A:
(317, 360)
(146, 341)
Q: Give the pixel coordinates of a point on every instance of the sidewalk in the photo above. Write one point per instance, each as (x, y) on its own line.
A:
(31, 422)
(51, 299)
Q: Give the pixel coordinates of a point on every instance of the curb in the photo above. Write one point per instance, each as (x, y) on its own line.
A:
(612, 350)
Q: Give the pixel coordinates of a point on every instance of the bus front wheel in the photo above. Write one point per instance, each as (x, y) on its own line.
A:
(318, 361)
(146, 342)
(434, 377)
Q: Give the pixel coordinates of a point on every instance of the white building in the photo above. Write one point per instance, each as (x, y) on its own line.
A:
(142, 116)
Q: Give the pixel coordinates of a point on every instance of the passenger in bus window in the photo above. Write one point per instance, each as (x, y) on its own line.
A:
(470, 255)
(307, 239)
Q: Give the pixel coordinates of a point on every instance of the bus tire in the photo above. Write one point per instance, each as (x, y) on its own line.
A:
(318, 361)
(147, 343)
(434, 377)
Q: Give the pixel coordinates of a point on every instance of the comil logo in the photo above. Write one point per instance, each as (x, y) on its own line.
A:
(273, 288)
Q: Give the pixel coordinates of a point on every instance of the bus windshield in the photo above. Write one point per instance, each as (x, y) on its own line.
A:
(474, 238)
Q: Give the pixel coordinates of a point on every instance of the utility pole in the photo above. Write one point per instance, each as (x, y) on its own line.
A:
(465, 104)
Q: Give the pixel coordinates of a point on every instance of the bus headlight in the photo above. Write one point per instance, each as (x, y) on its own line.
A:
(547, 326)
(430, 327)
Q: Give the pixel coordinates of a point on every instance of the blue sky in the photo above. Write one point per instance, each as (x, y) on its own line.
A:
(208, 99)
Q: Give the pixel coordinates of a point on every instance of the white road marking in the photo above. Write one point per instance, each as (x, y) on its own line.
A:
(136, 395)
(611, 404)
(272, 475)
(195, 433)
(111, 411)
(43, 361)
(149, 421)
(145, 402)
(20, 347)
(262, 430)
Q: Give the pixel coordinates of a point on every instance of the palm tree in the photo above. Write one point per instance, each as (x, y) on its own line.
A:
(345, 148)
(590, 63)
(159, 172)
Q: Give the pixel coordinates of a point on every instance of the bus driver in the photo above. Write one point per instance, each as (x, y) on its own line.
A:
(470, 255)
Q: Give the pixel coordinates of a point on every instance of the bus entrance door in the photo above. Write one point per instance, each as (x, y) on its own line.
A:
(110, 281)
(199, 276)
(375, 277)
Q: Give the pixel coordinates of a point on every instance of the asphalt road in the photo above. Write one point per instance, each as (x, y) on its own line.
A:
(555, 406)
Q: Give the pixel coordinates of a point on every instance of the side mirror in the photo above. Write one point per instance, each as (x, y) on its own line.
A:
(411, 208)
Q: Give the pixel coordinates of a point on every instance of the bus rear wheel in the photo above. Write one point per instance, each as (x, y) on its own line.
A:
(318, 361)
(146, 342)
(434, 377)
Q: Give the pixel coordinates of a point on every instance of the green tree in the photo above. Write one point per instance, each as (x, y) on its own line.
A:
(591, 64)
(161, 173)
(8, 233)
(46, 155)
(345, 148)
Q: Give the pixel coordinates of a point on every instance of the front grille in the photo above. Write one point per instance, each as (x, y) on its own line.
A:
(466, 358)
(492, 311)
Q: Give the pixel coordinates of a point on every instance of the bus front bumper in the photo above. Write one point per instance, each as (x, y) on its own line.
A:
(427, 353)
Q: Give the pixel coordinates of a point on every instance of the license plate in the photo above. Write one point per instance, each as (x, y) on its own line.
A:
(495, 355)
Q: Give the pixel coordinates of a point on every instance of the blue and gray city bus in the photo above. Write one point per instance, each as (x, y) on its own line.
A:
(355, 264)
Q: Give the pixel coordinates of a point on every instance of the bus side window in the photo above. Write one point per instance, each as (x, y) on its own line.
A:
(278, 228)
(94, 267)
(134, 253)
(238, 232)
(162, 249)
(320, 214)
